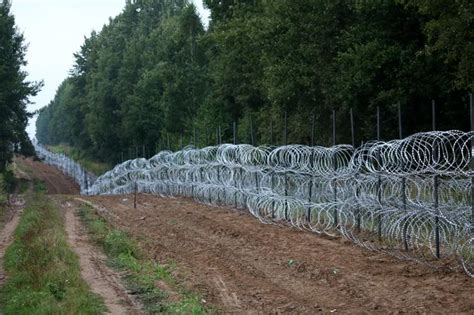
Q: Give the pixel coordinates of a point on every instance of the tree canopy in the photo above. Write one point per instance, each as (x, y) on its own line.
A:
(153, 77)
(15, 90)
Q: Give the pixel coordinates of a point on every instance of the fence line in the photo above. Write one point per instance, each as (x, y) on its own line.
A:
(82, 177)
(382, 195)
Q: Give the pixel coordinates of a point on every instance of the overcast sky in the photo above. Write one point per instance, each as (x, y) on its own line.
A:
(54, 30)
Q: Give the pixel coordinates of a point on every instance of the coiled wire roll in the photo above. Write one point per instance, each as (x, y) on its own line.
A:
(381, 196)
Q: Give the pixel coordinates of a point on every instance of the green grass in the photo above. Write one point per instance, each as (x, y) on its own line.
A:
(43, 272)
(142, 274)
(80, 157)
(7, 186)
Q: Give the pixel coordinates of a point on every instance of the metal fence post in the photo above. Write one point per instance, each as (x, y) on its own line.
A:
(379, 178)
(252, 135)
(336, 219)
(436, 186)
(220, 135)
(271, 132)
(358, 218)
(286, 177)
(135, 188)
(471, 101)
(234, 131)
(311, 163)
(404, 196)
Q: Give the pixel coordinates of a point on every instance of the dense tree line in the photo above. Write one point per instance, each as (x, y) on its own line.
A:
(154, 77)
(15, 90)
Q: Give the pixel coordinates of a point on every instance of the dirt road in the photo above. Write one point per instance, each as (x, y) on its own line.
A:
(94, 270)
(12, 217)
(10, 220)
(242, 266)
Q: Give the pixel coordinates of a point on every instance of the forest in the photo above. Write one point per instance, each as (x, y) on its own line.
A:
(156, 78)
(15, 90)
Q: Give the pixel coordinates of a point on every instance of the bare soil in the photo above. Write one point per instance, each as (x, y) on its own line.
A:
(56, 182)
(11, 219)
(101, 279)
(94, 270)
(243, 266)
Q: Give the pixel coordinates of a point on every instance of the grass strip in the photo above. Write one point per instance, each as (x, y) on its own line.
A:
(43, 272)
(140, 274)
(3, 199)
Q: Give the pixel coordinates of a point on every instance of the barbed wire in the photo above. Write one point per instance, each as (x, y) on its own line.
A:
(68, 166)
(410, 198)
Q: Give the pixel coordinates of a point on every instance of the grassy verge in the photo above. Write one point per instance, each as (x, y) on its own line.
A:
(93, 166)
(44, 273)
(7, 185)
(142, 274)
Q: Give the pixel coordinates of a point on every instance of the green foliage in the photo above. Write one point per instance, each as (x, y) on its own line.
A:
(153, 76)
(142, 76)
(142, 274)
(3, 200)
(43, 273)
(14, 89)
(7, 181)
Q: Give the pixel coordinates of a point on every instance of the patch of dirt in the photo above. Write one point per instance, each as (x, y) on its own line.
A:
(56, 182)
(243, 266)
(12, 217)
(101, 279)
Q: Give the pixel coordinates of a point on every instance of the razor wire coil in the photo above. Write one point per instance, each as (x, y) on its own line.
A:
(409, 197)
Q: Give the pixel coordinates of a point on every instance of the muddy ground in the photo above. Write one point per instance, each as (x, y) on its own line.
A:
(243, 266)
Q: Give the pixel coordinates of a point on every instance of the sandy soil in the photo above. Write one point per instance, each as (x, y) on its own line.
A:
(243, 266)
(101, 279)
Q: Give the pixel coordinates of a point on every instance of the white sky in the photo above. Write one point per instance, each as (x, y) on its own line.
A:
(54, 30)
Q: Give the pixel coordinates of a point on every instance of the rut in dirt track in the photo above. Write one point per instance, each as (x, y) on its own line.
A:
(94, 270)
(12, 219)
(242, 266)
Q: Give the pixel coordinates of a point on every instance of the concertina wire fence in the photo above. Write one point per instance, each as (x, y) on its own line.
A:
(411, 198)
(68, 166)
